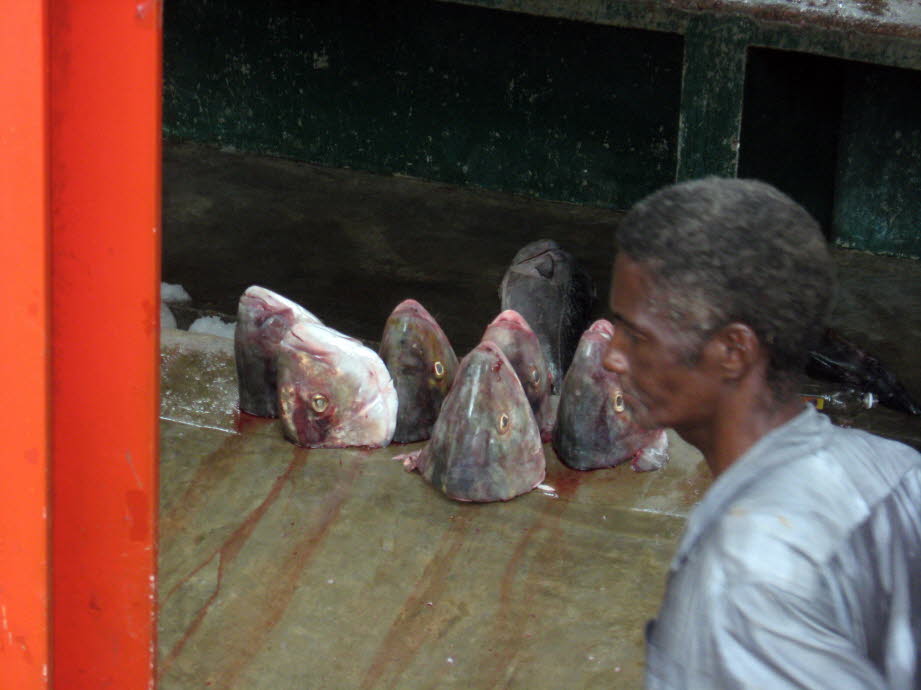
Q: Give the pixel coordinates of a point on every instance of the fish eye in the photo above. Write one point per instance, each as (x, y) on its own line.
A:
(319, 403)
(503, 423)
(439, 370)
(535, 375)
(619, 402)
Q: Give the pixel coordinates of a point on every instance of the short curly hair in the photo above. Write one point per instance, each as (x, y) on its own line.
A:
(734, 250)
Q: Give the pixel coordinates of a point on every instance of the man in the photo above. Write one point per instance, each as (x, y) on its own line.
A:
(801, 566)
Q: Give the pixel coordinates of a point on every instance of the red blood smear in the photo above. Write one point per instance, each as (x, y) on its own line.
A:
(247, 422)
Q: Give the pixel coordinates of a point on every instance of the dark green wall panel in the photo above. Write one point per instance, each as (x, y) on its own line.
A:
(544, 107)
(711, 100)
(844, 139)
(555, 108)
(790, 126)
(878, 203)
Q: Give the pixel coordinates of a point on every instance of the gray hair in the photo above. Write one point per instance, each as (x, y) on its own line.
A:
(730, 250)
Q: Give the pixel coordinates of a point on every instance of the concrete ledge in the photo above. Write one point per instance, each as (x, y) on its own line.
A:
(885, 32)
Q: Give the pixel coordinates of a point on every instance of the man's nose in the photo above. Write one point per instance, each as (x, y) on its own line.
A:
(614, 359)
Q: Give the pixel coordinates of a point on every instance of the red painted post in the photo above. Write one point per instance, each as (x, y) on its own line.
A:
(24, 345)
(105, 190)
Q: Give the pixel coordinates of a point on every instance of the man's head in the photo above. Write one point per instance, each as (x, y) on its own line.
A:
(715, 252)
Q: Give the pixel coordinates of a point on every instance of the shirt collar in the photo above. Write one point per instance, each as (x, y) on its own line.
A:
(794, 439)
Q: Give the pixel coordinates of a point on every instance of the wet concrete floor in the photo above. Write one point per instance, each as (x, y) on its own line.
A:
(282, 567)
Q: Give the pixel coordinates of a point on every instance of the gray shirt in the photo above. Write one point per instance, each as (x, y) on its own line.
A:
(801, 567)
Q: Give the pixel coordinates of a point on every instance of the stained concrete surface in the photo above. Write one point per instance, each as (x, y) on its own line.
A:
(282, 567)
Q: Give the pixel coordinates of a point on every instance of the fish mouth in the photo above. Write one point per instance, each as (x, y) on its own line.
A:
(262, 296)
(512, 319)
(411, 306)
(543, 263)
(531, 257)
(263, 304)
(603, 328)
(537, 248)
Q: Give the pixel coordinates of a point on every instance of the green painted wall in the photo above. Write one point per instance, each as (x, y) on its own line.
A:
(559, 109)
(545, 107)
(878, 202)
(844, 139)
(790, 126)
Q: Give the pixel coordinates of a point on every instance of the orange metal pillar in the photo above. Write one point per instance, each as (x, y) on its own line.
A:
(24, 344)
(105, 219)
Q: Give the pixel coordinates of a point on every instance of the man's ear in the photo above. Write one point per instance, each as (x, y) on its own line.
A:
(735, 350)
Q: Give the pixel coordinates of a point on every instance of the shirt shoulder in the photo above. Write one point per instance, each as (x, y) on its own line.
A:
(784, 528)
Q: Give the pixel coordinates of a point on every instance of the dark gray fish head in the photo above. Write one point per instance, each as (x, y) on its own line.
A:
(485, 445)
(594, 427)
(333, 392)
(263, 318)
(511, 332)
(555, 295)
(539, 254)
(837, 359)
(422, 363)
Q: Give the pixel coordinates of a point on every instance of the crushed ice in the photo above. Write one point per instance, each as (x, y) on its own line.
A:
(173, 293)
(213, 325)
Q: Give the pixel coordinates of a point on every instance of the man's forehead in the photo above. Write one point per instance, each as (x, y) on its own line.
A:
(641, 301)
(633, 283)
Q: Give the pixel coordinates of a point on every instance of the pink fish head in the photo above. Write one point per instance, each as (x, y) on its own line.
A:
(511, 332)
(263, 318)
(333, 392)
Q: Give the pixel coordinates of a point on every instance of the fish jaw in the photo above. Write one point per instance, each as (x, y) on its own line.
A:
(653, 456)
(263, 318)
(485, 445)
(421, 363)
(511, 332)
(410, 461)
(594, 426)
(333, 391)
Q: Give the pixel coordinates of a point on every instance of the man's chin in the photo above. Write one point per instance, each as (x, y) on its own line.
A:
(646, 421)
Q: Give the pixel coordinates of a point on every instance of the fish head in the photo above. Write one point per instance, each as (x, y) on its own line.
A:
(258, 304)
(590, 357)
(511, 332)
(536, 252)
(595, 425)
(414, 346)
(602, 327)
(422, 363)
(333, 392)
(263, 318)
(485, 445)
(542, 263)
(555, 295)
